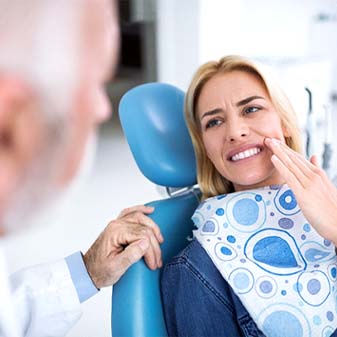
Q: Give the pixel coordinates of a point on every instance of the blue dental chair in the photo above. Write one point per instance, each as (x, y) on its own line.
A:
(153, 123)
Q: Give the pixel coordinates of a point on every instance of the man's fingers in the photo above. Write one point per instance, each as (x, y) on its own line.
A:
(138, 214)
(156, 252)
(130, 255)
(145, 220)
(129, 232)
(153, 254)
(142, 219)
(137, 208)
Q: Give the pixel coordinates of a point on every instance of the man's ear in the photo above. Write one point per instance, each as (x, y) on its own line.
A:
(20, 133)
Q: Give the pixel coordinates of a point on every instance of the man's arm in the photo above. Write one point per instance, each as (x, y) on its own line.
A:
(83, 283)
(47, 297)
(45, 300)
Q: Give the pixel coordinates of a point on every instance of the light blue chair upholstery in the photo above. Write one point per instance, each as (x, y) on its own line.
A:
(153, 123)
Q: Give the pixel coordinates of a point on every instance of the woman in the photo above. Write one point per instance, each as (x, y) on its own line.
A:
(246, 139)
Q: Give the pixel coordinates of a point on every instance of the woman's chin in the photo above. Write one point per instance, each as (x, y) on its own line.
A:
(252, 182)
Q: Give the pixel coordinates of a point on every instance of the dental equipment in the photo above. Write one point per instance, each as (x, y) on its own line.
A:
(327, 152)
(309, 128)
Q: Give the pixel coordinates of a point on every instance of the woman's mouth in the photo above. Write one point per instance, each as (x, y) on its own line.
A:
(246, 154)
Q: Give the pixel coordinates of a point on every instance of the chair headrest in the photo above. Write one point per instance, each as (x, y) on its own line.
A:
(153, 122)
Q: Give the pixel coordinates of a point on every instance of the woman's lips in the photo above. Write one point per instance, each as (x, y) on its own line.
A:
(244, 153)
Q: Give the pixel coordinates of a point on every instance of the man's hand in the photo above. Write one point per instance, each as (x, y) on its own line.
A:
(122, 243)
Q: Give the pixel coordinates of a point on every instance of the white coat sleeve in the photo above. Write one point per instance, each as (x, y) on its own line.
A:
(45, 300)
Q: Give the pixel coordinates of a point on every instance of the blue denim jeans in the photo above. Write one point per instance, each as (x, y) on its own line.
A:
(199, 302)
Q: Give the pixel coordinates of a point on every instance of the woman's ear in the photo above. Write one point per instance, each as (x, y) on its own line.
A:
(20, 133)
(286, 132)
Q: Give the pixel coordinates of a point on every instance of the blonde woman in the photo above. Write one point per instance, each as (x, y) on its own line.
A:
(262, 261)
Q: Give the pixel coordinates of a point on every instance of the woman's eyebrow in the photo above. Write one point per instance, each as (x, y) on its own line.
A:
(247, 100)
(240, 103)
(211, 112)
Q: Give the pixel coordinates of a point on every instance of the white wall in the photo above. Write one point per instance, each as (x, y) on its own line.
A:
(177, 40)
(191, 32)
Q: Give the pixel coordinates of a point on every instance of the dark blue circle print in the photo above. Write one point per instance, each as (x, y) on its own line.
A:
(287, 200)
(266, 287)
(314, 286)
(220, 211)
(226, 251)
(231, 238)
(246, 212)
(329, 316)
(285, 223)
(327, 243)
(209, 226)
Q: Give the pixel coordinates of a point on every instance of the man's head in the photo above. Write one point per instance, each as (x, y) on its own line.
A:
(55, 57)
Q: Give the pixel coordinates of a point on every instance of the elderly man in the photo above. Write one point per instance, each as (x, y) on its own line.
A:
(55, 57)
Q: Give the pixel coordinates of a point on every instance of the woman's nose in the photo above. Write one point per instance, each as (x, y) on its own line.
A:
(237, 129)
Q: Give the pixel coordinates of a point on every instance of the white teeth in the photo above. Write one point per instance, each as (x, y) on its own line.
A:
(246, 154)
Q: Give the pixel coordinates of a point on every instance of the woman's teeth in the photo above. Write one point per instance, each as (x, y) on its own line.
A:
(246, 154)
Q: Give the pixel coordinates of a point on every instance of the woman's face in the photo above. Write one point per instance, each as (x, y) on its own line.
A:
(236, 114)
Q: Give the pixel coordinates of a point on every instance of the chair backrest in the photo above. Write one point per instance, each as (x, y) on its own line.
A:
(153, 123)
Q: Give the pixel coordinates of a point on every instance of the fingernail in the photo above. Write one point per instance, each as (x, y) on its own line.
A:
(161, 238)
(144, 244)
(275, 141)
(150, 209)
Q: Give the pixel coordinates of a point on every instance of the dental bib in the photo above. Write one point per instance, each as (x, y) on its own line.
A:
(282, 270)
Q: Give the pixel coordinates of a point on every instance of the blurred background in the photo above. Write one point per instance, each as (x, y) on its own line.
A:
(166, 40)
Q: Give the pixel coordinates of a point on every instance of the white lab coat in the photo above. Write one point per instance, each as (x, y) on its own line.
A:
(43, 301)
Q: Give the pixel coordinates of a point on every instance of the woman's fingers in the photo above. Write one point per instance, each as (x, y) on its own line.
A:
(292, 167)
(288, 175)
(314, 160)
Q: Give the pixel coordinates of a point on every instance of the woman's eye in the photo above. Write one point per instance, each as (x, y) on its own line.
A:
(212, 122)
(251, 109)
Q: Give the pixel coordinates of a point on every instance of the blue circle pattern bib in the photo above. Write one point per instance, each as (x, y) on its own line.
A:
(283, 271)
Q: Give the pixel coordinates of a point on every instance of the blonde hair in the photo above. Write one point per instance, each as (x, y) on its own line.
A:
(210, 181)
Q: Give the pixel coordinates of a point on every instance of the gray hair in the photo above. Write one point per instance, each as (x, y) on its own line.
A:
(40, 42)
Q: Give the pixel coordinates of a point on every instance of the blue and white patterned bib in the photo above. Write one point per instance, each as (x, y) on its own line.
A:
(283, 271)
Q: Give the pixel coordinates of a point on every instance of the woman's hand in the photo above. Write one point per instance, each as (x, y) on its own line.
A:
(314, 192)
